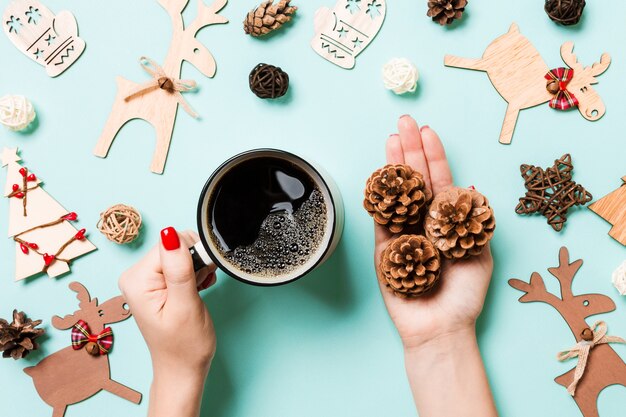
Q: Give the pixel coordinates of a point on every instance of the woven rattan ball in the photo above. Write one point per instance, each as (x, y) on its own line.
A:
(268, 81)
(120, 223)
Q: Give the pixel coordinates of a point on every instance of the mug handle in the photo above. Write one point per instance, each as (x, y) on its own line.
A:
(200, 257)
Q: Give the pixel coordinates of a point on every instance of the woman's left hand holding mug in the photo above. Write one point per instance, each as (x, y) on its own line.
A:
(162, 293)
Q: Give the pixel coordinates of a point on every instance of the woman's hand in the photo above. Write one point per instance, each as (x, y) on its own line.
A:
(456, 302)
(162, 293)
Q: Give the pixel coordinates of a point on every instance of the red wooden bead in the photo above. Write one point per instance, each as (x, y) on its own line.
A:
(19, 195)
(16, 187)
(70, 216)
(22, 171)
(48, 259)
(33, 246)
(24, 248)
(31, 177)
(80, 235)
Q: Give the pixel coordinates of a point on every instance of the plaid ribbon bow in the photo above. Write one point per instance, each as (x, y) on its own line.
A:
(563, 99)
(81, 335)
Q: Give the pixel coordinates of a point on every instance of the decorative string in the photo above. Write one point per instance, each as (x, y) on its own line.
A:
(591, 338)
(120, 223)
(16, 112)
(400, 76)
(160, 80)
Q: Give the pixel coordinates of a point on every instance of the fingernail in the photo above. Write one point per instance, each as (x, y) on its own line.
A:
(405, 115)
(424, 127)
(393, 134)
(170, 239)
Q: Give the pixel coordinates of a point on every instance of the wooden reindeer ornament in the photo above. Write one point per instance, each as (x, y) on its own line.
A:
(157, 100)
(601, 365)
(523, 79)
(612, 208)
(78, 372)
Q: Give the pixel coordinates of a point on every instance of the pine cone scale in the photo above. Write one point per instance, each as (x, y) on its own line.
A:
(268, 17)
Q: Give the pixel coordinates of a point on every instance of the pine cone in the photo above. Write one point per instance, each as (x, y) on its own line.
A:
(17, 339)
(268, 17)
(445, 12)
(410, 265)
(460, 222)
(394, 196)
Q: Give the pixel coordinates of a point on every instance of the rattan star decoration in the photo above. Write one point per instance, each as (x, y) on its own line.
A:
(551, 192)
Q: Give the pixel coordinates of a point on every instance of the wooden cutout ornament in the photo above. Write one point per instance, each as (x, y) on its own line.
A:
(45, 240)
(604, 367)
(48, 39)
(345, 31)
(612, 208)
(70, 376)
(156, 101)
(518, 72)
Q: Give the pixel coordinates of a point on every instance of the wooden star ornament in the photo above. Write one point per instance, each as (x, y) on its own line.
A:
(552, 191)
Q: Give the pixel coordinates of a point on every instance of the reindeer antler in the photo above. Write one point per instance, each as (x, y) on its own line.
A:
(81, 294)
(207, 15)
(566, 272)
(535, 290)
(599, 67)
(567, 53)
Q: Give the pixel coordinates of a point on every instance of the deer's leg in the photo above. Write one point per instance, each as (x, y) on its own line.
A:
(114, 123)
(588, 408)
(59, 411)
(468, 63)
(164, 128)
(510, 119)
(123, 391)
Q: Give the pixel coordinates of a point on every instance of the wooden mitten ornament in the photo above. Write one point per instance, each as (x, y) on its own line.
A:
(45, 240)
(51, 41)
(81, 370)
(523, 79)
(612, 208)
(599, 366)
(345, 31)
(156, 101)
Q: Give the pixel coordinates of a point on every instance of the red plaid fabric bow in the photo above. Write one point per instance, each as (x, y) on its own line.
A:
(563, 99)
(81, 335)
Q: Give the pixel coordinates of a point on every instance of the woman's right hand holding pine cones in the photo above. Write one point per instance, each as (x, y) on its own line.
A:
(437, 329)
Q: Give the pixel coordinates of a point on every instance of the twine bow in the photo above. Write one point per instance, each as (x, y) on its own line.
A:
(81, 335)
(597, 336)
(162, 81)
(563, 99)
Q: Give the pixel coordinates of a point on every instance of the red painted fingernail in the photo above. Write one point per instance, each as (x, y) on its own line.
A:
(424, 127)
(170, 239)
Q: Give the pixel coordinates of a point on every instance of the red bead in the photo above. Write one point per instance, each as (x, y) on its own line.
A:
(24, 248)
(31, 177)
(80, 235)
(471, 187)
(23, 171)
(19, 195)
(70, 216)
(48, 259)
(16, 187)
(33, 246)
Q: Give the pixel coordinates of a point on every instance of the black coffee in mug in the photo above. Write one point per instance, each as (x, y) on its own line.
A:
(267, 216)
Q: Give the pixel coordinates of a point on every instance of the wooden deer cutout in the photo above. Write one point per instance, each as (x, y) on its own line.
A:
(69, 376)
(604, 367)
(157, 100)
(518, 72)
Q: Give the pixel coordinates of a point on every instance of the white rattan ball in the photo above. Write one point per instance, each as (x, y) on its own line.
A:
(16, 112)
(619, 278)
(400, 76)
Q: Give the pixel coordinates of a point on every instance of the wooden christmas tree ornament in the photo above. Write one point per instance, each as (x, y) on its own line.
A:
(75, 373)
(48, 39)
(599, 366)
(45, 240)
(345, 31)
(156, 101)
(612, 208)
(523, 79)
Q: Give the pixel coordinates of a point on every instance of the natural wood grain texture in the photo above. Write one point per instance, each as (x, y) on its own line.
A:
(345, 31)
(70, 376)
(159, 106)
(49, 40)
(612, 208)
(517, 72)
(605, 367)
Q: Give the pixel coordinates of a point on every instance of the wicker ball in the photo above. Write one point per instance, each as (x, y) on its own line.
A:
(120, 223)
(565, 12)
(16, 112)
(268, 81)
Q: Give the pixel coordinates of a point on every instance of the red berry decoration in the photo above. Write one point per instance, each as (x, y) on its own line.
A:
(16, 187)
(24, 248)
(19, 195)
(80, 235)
(48, 259)
(31, 177)
(70, 216)
(33, 246)
(22, 172)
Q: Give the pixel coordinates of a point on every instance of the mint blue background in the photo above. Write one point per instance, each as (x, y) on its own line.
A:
(323, 346)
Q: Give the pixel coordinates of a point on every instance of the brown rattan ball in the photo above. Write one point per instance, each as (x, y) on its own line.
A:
(268, 81)
(410, 266)
(565, 12)
(120, 223)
